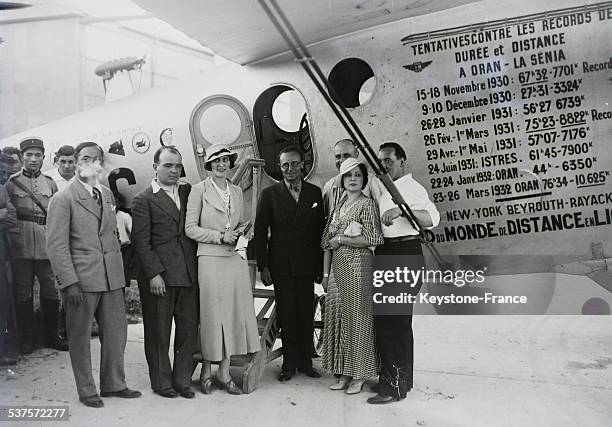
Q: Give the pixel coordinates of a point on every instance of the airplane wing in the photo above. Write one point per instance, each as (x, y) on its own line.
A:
(238, 30)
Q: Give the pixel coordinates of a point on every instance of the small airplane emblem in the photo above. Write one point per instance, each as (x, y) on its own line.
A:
(418, 66)
(141, 142)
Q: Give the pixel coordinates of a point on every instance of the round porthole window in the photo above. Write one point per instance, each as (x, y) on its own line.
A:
(220, 124)
(353, 82)
(288, 110)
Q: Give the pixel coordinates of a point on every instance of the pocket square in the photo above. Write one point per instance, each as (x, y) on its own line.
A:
(314, 205)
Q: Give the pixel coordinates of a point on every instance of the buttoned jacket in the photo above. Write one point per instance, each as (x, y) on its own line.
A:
(83, 241)
(207, 219)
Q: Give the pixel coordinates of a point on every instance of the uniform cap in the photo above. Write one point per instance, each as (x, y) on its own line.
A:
(31, 143)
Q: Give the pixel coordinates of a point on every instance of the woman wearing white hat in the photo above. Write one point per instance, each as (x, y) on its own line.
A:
(352, 229)
(227, 316)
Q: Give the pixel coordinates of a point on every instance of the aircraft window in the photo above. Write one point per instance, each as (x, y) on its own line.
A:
(353, 81)
(280, 119)
(288, 109)
(220, 124)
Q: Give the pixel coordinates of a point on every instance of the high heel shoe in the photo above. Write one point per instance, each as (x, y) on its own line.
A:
(355, 386)
(342, 383)
(229, 386)
(206, 385)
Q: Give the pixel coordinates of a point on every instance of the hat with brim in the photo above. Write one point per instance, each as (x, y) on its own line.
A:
(348, 165)
(216, 151)
(28, 143)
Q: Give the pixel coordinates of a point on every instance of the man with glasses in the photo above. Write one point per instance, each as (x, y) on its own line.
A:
(290, 257)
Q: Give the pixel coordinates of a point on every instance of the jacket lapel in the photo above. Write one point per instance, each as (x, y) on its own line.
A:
(184, 196)
(85, 199)
(166, 204)
(301, 204)
(212, 197)
(108, 207)
(235, 213)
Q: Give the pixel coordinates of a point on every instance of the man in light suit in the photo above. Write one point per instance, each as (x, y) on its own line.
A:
(83, 247)
(168, 277)
(291, 258)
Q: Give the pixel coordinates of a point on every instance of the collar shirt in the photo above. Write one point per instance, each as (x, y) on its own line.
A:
(416, 197)
(57, 178)
(90, 188)
(171, 190)
(294, 189)
(29, 174)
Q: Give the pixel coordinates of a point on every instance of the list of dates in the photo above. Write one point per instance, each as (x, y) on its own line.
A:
(516, 121)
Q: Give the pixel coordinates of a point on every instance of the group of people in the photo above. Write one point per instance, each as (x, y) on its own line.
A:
(187, 240)
(23, 254)
(336, 237)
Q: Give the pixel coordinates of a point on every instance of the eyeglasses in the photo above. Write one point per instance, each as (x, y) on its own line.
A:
(293, 165)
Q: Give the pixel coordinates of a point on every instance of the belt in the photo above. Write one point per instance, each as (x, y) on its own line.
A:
(401, 239)
(38, 219)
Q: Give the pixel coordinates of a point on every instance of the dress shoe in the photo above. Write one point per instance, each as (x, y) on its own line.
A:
(187, 393)
(206, 385)
(126, 393)
(355, 387)
(312, 373)
(284, 376)
(381, 399)
(169, 393)
(92, 401)
(230, 386)
(341, 384)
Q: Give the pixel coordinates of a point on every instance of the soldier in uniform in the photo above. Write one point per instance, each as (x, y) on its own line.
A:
(30, 191)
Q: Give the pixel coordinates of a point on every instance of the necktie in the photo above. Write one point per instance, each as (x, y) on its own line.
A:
(97, 196)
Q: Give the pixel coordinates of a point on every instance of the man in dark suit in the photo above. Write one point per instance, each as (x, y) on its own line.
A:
(168, 276)
(83, 247)
(291, 257)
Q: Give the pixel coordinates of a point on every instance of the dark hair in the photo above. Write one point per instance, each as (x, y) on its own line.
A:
(9, 151)
(86, 144)
(6, 159)
(400, 154)
(64, 150)
(291, 149)
(364, 172)
(160, 150)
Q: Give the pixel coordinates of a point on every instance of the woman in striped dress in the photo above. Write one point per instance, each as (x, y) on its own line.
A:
(352, 230)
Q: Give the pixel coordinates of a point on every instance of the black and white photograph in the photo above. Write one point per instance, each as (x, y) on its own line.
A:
(306, 213)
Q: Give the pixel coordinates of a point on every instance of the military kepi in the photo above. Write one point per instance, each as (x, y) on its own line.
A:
(31, 143)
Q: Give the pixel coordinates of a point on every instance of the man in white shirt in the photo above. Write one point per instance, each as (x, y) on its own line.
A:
(61, 175)
(64, 172)
(394, 338)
